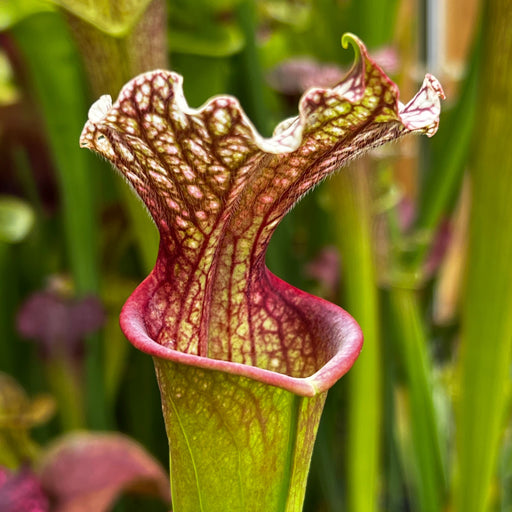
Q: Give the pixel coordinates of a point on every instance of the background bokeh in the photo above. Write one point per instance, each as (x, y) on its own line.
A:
(414, 240)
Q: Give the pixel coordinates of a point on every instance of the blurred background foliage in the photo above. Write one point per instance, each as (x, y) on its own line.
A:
(415, 240)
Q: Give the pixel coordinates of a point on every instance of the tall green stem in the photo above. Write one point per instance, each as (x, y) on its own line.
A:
(486, 331)
(352, 209)
(64, 382)
(251, 73)
(411, 344)
(111, 61)
(62, 106)
(61, 98)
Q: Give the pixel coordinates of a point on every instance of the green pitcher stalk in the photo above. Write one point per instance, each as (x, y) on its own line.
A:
(118, 40)
(243, 359)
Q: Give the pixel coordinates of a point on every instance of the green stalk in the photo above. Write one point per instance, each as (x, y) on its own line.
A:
(486, 330)
(353, 223)
(251, 73)
(411, 344)
(353, 213)
(110, 61)
(236, 444)
(65, 386)
(61, 97)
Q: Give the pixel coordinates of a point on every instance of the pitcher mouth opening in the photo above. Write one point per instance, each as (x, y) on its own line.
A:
(342, 327)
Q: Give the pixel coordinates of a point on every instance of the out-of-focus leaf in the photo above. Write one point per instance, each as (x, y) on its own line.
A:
(112, 17)
(214, 40)
(61, 96)
(116, 350)
(204, 29)
(17, 411)
(142, 49)
(18, 414)
(85, 471)
(374, 21)
(16, 219)
(12, 11)
(351, 207)
(410, 343)
(286, 12)
(449, 158)
(483, 402)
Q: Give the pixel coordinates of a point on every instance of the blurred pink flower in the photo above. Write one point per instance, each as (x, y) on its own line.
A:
(21, 492)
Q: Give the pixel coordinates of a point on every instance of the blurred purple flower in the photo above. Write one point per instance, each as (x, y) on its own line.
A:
(58, 323)
(21, 492)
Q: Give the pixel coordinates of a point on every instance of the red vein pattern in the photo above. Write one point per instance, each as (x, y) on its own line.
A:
(217, 191)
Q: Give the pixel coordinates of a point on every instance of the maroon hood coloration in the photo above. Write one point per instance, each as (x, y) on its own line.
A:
(243, 359)
(217, 191)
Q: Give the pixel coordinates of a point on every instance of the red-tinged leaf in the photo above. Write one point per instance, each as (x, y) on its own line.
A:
(85, 471)
(217, 190)
(243, 359)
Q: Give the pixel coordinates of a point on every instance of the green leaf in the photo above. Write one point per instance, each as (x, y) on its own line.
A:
(428, 473)
(13, 11)
(114, 18)
(485, 346)
(61, 98)
(351, 207)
